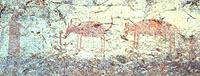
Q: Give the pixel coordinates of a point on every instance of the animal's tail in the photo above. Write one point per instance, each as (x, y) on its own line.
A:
(111, 23)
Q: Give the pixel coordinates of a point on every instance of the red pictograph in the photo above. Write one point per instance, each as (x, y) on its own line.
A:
(88, 29)
(152, 27)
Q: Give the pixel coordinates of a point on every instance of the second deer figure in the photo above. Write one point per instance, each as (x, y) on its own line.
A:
(88, 29)
(152, 27)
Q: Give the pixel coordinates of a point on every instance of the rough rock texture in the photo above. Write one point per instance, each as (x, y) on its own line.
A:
(35, 37)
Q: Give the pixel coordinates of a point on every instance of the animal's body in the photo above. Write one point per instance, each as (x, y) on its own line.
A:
(152, 27)
(88, 29)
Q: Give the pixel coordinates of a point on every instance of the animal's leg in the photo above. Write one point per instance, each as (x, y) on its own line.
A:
(162, 68)
(77, 42)
(134, 40)
(172, 43)
(101, 44)
(61, 40)
(80, 44)
(93, 42)
(192, 47)
(137, 45)
(65, 66)
(170, 48)
(104, 43)
(154, 32)
(113, 70)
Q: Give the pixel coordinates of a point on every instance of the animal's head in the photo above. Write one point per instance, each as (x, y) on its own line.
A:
(126, 30)
(71, 27)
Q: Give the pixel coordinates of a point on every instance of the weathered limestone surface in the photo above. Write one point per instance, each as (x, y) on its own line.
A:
(43, 22)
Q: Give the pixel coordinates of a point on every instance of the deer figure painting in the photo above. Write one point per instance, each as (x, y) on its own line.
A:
(152, 27)
(88, 29)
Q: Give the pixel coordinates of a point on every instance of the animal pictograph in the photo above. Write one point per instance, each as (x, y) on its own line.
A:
(88, 29)
(152, 27)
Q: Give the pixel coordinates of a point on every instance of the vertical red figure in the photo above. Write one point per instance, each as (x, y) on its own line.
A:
(14, 39)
